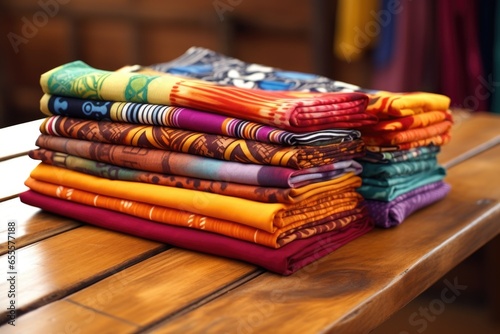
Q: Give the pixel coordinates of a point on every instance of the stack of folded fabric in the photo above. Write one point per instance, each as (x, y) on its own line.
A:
(401, 173)
(265, 177)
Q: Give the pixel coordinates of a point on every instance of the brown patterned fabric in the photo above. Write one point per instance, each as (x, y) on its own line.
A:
(342, 183)
(202, 144)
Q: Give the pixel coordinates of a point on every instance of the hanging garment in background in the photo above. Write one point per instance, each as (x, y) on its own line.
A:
(413, 53)
(461, 68)
(495, 103)
(384, 49)
(354, 28)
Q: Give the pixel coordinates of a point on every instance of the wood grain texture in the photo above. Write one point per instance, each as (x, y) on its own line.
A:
(471, 134)
(19, 139)
(32, 224)
(55, 267)
(66, 317)
(13, 173)
(360, 285)
(162, 285)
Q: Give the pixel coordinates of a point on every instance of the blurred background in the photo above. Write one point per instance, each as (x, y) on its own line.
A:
(445, 46)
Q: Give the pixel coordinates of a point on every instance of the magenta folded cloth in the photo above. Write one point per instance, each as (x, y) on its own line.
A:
(188, 119)
(285, 260)
(393, 213)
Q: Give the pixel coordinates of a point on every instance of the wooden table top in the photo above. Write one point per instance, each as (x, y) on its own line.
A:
(71, 277)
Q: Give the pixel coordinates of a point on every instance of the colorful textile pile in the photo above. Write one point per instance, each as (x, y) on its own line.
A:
(401, 173)
(265, 177)
(308, 112)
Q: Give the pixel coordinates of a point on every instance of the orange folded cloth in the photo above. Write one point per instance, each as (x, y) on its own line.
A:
(345, 215)
(264, 216)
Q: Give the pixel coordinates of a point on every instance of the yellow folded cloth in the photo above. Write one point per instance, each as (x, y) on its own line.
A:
(170, 216)
(388, 104)
(265, 216)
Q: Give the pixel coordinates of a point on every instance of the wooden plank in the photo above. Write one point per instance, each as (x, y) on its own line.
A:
(150, 290)
(471, 134)
(67, 317)
(13, 173)
(32, 224)
(55, 267)
(360, 285)
(18, 139)
(162, 285)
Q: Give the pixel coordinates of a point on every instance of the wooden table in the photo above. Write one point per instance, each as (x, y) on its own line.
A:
(75, 278)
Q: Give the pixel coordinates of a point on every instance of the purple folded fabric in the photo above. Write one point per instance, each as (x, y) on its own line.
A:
(285, 260)
(393, 213)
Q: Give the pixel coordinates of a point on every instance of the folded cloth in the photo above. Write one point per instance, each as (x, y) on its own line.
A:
(189, 119)
(278, 238)
(392, 138)
(309, 112)
(211, 66)
(438, 140)
(390, 188)
(265, 216)
(393, 213)
(202, 144)
(175, 163)
(388, 104)
(413, 154)
(412, 122)
(254, 193)
(285, 260)
(397, 169)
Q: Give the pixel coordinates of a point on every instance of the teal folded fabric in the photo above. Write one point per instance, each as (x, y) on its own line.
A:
(390, 188)
(390, 170)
